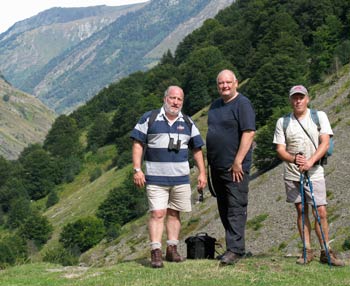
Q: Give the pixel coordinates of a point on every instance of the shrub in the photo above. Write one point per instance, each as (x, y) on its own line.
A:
(52, 199)
(123, 204)
(12, 250)
(83, 233)
(6, 97)
(346, 244)
(7, 257)
(96, 173)
(62, 256)
(36, 228)
(113, 231)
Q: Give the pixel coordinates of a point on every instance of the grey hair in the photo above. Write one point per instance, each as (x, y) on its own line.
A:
(170, 87)
(224, 71)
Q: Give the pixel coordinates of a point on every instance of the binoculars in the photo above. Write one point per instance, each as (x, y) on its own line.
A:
(174, 147)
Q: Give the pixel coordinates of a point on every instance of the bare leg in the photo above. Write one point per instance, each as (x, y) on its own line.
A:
(322, 212)
(156, 225)
(307, 225)
(173, 224)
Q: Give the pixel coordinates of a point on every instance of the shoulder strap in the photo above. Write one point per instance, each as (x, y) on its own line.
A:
(153, 117)
(187, 120)
(286, 120)
(155, 113)
(315, 119)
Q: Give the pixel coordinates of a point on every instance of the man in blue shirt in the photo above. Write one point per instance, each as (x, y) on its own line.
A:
(231, 129)
(167, 170)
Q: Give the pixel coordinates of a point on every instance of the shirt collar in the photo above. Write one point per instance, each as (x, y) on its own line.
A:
(162, 113)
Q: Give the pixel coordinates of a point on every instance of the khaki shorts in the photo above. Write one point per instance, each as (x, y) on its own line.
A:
(172, 197)
(318, 187)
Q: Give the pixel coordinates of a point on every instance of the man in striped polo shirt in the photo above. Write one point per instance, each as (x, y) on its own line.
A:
(167, 170)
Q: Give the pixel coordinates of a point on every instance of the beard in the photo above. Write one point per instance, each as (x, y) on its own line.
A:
(171, 110)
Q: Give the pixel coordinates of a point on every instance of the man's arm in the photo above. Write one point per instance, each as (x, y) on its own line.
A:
(322, 148)
(202, 178)
(244, 146)
(137, 152)
(284, 155)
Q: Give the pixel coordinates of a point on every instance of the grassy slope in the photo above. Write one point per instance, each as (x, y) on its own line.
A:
(23, 120)
(262, 271)
(81, 197)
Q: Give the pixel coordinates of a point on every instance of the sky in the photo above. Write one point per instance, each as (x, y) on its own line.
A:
(13, 11)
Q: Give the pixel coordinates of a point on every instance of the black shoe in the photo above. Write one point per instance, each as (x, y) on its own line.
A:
(230, 258)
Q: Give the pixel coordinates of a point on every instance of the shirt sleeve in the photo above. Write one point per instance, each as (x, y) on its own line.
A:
(196, 140)
(279, 136)
(140, 130)
(247, 116)
(324, 123)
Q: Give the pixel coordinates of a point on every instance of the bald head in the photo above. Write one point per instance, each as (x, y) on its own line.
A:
(226, 73)
(227, 85)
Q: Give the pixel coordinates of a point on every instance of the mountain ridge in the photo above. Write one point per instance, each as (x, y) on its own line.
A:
(68, 70)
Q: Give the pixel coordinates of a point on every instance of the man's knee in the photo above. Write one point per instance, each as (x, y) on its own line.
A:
(173, 214)
(158, 214)
(322, 212)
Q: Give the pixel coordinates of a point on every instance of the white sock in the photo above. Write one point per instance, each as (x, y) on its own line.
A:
(155, 245)
(172, 242)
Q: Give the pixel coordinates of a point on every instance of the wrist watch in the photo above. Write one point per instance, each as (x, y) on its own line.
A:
(137, 170)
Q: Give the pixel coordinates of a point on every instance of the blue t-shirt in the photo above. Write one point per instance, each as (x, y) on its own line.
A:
(164, 166)
(226, 122)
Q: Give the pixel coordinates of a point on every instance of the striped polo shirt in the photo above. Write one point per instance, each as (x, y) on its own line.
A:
(164, 166)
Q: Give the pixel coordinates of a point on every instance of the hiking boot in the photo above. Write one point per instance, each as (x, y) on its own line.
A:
(309, 257)
(156, 258)
(230, 258)
(334, 260)
(172, 255)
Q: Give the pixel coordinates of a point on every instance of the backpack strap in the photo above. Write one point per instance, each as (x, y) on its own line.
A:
(155, 113)
(315, 119)
(153, 117)
(188, 121)
(286, 120)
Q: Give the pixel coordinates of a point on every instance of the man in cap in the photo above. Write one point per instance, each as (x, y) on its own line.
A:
(301, 145)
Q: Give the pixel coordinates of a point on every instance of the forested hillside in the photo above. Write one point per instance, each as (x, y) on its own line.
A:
(271, 45)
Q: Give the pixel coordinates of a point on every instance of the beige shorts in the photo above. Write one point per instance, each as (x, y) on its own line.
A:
(318, 187)
(172, 197)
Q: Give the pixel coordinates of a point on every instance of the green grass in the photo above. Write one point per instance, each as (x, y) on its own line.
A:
(256, 222)
(260, 271)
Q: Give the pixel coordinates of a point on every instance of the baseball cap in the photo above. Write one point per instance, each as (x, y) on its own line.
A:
(298, 89)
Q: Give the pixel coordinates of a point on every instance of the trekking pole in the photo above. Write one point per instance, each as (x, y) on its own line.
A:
(303, 214)
(318, 219)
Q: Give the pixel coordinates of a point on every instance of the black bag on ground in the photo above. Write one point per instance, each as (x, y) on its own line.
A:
(200, 246)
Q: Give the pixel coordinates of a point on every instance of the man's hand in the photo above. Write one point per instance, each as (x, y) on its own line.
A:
(237, 172)
(139, 179)
(201, 182)
(303, 164)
